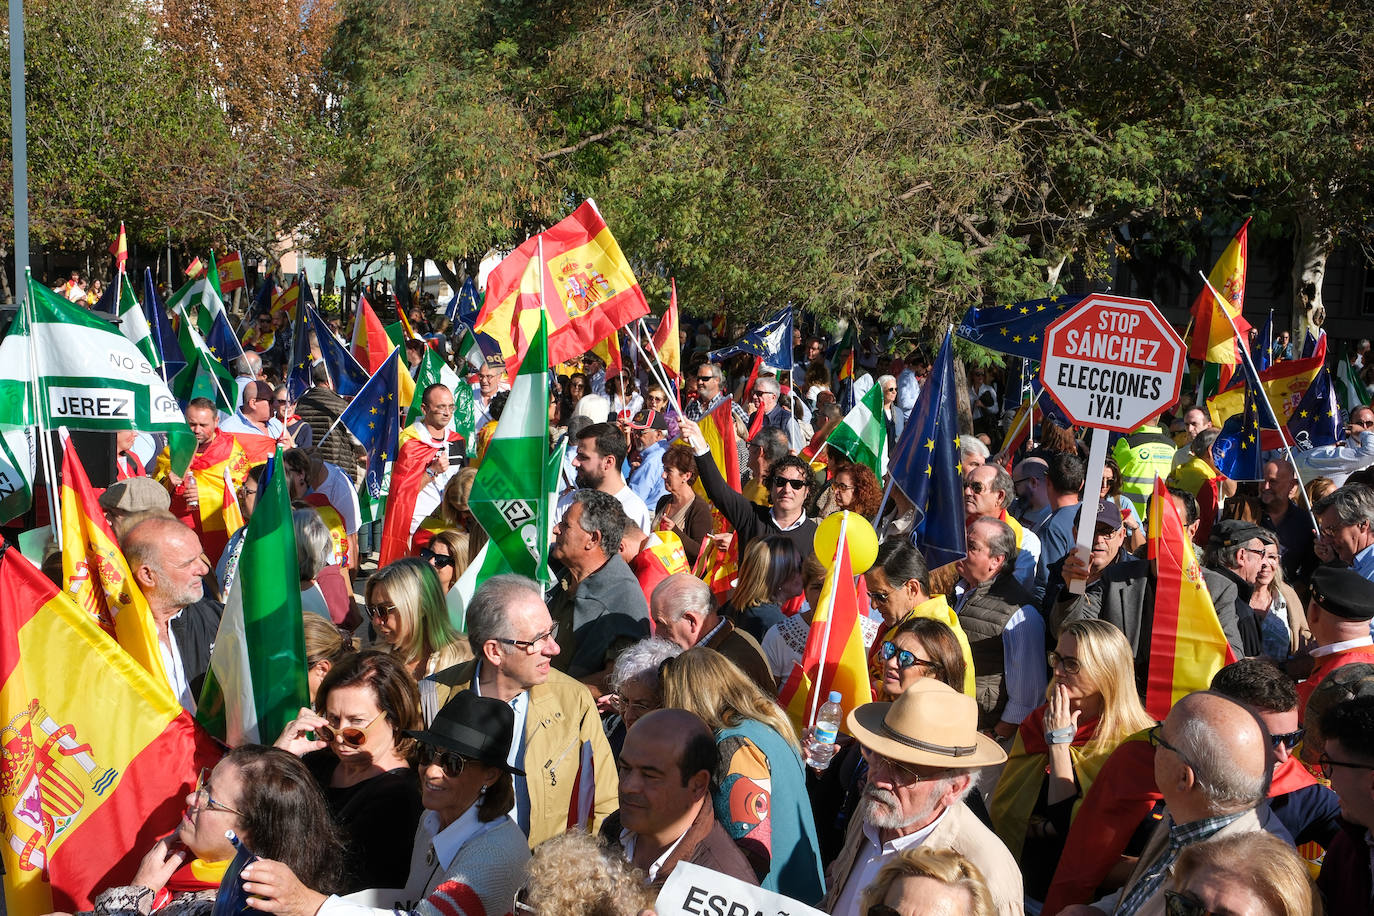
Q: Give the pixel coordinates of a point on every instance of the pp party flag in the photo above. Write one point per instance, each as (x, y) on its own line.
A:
(510, 496)
(862, 434)
(1187, 644)
(925, 464)
(231, 273)
(98, 756)
(667, 339)
(1317, 419)
(465, 304)
(61, 365)
(1263, 351)
(586, 284)
(834, 657)
(256, 682)
(347, 377)
(1214, 340)
(371, 346)
(120, 248)
(1017, 329)
(374, 419)
(770, 341)
(96, 574)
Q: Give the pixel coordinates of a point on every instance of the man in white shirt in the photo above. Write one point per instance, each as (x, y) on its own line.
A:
(601, 450)
(255, 415)
(491, 381)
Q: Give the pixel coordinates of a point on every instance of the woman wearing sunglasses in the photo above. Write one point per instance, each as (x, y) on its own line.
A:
(920, 647)
(355, 745)
(1060, 747)
(467, 848)
(448, 554)
(407, 609)
(271, 803)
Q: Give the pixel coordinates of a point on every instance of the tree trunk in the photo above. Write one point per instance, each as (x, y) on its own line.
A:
(449, 274)
(331, 264)
(1312, 246)
(402, 284)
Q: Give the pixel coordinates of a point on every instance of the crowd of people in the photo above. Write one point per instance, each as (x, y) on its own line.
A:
(525, 750)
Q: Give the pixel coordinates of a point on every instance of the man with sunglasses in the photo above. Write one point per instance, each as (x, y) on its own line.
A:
(1348, 762)
(769, 410)
(515, 640)
(255, 418)
(1338, 613)
(1212, 765)
(788, 484)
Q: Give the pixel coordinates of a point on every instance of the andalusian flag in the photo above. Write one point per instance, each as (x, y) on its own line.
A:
(256, 683)
(200, 300)
(205, 375)
(1187, 644)
(834, 658)
(588, 290)
(97, 576)
(82, 372)
(667, 341)
(434, 371)
(1214, 340)
(18, 459)
(1349, 387)
(862, 434)
(133, 324)
(98, 755)
(510, 496)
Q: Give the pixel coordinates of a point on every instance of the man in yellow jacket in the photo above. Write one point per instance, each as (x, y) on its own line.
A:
(559, 741)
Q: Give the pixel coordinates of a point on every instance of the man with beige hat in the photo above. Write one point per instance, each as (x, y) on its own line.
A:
(921, 751)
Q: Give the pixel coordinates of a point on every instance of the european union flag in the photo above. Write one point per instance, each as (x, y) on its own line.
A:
(298, 376)
(925, 465)
(1263, 352)
(1317, 418)
(465, 304)
(262, 302)
(1017, 329)
(771, 340)
(346, 375)
(1239, 449)
(374, 418)
(164, 338)
(223, 342)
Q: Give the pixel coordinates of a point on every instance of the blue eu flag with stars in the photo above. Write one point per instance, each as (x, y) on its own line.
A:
(374, 418)
(1239, 450)
(771, 340)
(925, 465)
(1017, 329)
(1316, 420)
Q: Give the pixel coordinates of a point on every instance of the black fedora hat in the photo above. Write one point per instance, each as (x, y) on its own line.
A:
(479, 728)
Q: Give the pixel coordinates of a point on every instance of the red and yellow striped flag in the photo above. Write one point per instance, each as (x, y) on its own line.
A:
(371, 346)
(718, 429)
(667, 344)
(1213, 340)
(608, 351)
(1187, 644)
(231, 272)
(120, 248)
(285, 300)
(98, 755)
(96, 574)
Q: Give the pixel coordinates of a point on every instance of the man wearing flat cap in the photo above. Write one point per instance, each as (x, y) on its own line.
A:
(1238, 550)
(921, 750)
(1338, 614)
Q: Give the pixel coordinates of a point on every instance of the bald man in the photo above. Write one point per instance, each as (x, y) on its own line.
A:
(1212, 765)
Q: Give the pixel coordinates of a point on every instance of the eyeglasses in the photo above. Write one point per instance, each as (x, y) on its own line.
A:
(437, 560)
(905, 658)
(380, 611)
(1271, 557)
(625, 707)
(777, 480)
(522, 904)
(1289, 739)
(529, 645)
(901, 773)
(1070, 664)
(1157, 741)
(1326, 764)
(842, 487)
(975, 487)
(351, 735)
(280, 402)
(706, 378)
(450, 762)
(1177, 903)
(203, 791)
(879, 597)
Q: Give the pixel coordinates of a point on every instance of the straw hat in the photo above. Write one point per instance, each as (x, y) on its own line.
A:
(930, 724)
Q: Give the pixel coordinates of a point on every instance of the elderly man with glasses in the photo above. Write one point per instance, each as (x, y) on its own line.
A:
(769, 410)
(515, 641)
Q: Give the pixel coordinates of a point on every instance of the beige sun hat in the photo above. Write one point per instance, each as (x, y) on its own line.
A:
(930, 724)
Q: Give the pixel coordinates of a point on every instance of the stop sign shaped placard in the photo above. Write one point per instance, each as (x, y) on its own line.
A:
(1112, 362)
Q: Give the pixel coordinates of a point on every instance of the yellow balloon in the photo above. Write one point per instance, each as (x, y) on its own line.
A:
(859, 534)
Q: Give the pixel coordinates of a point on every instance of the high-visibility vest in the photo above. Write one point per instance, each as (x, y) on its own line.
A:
(1141, 455)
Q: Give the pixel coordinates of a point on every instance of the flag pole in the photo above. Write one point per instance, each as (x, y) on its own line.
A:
(829, 620)
(659, 374)
(44, 440)
(1263, 397)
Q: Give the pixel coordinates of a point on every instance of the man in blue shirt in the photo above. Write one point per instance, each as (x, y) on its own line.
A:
(649, 432)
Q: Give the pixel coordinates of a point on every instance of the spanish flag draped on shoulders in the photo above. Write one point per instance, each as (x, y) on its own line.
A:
(936, 608)
(410, 475)
(215, 458)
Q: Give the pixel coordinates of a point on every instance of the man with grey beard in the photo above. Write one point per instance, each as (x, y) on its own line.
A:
(921, 751)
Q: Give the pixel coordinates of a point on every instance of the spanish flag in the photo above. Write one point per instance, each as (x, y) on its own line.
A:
(1187, 644)
(834, 657)
(120, 248)
(1213, 339)
(231, 272)
(667, 344)
(97, 575)
(286, 300)
(371, 346)
(98, 756)
(608, 351)
(718, 429)
(585, 282)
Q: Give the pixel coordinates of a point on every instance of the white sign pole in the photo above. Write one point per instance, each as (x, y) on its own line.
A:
(1092, 488)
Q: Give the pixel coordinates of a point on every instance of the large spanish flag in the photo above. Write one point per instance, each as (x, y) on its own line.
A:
(1187, 644)
(588, 290)
(1213, 339)
(371, 346)
(718, 429)
(97, 575)
(231, 272)
(667, 343)
(97, 755)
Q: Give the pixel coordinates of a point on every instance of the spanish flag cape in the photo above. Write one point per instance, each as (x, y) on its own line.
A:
(209, 466)
(1027, 768)
(936, 608)
(416, 451)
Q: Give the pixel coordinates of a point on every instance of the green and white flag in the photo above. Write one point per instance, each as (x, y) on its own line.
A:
(200, 296)
(18, 459)
(434, 371)
(66, 366)
(256, 682)
(203, 376)
(510, 495)
(1349, 388)
(133, 324)
(862, 434)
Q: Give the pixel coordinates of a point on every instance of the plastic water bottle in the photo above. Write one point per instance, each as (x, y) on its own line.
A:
(820, 744)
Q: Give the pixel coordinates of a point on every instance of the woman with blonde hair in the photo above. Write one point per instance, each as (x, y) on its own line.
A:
(759, 787)
(1253, 873)
(1278, 609)
(408, 610)
(769, 577)
(1060, 747)
(576, 874)
(920, 881)
(325, 645)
